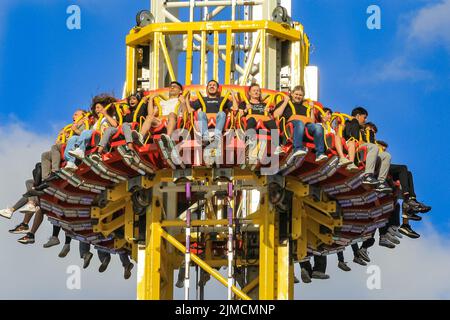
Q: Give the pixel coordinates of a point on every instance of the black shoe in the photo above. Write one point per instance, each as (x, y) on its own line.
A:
(305, 276)
(129, 154)
(408, 231)
(52, 177)
(296, 280)
(419, 207)
(28, 239)
(22, 228)
(87, 259)
(385, 242)
(104, 264)
(370, 180)
(127, 271)
(357, 259)
(34, 193)
(319, 275)
(383, 188)
(411, 216)
(343, 266)
(42, 186)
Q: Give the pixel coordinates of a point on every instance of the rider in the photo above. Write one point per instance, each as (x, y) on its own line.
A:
(298, 115)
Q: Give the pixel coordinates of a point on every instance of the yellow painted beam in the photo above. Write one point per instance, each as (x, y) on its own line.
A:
(267, 249)
(165, 52)
(203, 265)
(189, 44)
(229, 55)
(139, 36)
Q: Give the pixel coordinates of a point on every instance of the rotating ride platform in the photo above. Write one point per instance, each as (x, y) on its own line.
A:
(213, 209)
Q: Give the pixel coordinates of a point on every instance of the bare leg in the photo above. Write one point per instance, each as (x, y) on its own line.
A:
(171, 124)
(37, 221)
(351, 150)
(27, 218)
(339, 148)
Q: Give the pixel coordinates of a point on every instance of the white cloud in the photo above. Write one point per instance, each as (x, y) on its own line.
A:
(416, 269)
(31, 272)
(431, 25)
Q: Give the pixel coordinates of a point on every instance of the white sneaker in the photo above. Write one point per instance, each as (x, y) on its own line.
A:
(6, 213)
(279, 150)
(321, 158)
(352, 167)
(299, 153)
(71, 166)
(29, 208)
(343, 162)
(77, 153)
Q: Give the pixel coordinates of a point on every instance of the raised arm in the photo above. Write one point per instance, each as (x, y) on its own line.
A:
(280, 110)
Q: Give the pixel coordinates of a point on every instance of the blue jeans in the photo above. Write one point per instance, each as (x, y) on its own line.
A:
(203, 124)
(315, 129)
(77, 142)
(70, 146)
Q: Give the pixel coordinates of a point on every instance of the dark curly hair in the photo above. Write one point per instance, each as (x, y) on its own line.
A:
(104, 99)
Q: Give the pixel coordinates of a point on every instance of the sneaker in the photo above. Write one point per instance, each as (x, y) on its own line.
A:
(352, 167)
(393, 230)
(408, 231)
(77, 153)
(104, 264)
(384, 242)
(357, 259)
(417, 206)
(296, 280)
(343, 266)
(344, 162)
(363, 254)
(127, 271)
(22, 228)
(87, 259)
(53, 176)
(6, 213)
(204, 277)
(370, 180)
(96, 157)
(305, 276)
(52, 241)
(279, 150)
(180, 281)
(29, 208)
(383, 188)
(299, 153)
(392, 238)
(71, 166)
(319, 275)
(411, 216)
(27, 239)
(64, 251)
(321, 158)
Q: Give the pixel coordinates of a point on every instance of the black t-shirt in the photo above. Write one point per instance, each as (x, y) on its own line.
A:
(300, 109)
(212, 104)
(257, 108)
(143, 112)
(352, 129)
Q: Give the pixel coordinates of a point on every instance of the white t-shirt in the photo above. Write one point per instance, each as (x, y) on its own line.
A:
(168, 106)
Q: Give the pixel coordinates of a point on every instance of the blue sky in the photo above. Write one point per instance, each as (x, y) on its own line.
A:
(400, 73)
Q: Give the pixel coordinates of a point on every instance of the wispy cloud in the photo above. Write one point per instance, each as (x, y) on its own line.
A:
(431, 25)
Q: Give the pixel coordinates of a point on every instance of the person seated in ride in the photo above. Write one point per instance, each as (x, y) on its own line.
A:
(325, 119)
(354, 131)
(213, 103)
(169, 108)
(133, 102)
(255, 107)
(104, 118)
(298, 115)
(78, 126)
(410, 204)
